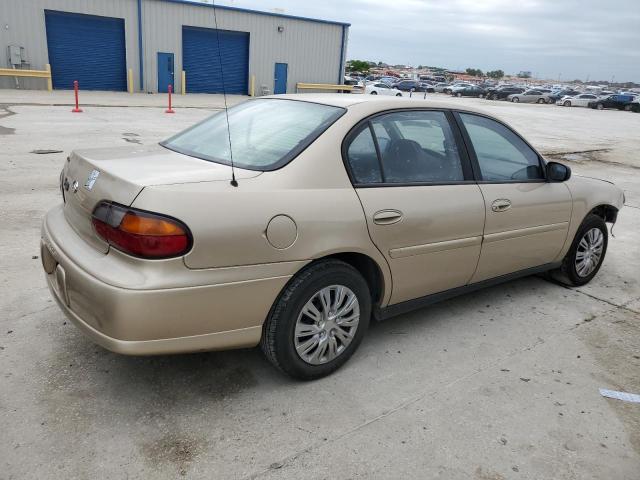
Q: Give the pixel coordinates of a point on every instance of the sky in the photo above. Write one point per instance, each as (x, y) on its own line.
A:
(554, 39)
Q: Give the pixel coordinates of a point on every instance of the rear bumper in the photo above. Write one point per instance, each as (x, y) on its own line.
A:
(145, 320)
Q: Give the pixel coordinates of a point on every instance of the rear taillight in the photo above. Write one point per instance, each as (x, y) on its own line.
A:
(139, 233)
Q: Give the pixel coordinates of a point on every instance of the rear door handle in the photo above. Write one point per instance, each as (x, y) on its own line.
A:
(387, 217)
(501, 204)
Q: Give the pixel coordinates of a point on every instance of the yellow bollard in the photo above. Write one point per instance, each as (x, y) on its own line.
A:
(47, 67)
(252, 86)
(130, 80)
(183, 82)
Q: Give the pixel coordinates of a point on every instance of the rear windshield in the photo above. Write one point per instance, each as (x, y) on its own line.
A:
(265, 133)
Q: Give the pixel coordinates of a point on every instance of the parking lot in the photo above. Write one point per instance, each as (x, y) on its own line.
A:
(499, 384)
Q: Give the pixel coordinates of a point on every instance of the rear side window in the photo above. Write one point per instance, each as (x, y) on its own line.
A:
(413, 147)
(502, 155)
(265, 133)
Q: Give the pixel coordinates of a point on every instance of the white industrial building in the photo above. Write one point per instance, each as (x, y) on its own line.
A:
(145, 45)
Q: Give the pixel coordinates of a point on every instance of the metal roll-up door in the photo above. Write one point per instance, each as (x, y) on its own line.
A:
(86, 48)
(201, 63)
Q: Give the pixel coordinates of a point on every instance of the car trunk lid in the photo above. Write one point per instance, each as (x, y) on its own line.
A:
(120, 174)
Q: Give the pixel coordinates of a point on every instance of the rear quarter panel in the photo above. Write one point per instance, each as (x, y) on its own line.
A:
(229, 224)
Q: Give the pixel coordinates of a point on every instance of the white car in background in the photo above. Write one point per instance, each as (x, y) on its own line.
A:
(382, 89)
(581, 100)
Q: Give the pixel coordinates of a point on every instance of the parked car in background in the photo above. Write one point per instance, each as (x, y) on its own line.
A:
(457, 86)
(556, 95)
(621, 102)
(581, 100)
(427, 87)
(441, 87)
(297, 261)
(408, 85)
(530, 96)
(381, 88)
(502, 93)
(470, 91)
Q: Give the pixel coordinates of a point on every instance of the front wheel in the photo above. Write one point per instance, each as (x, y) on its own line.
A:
(567, 103)
(515, 99)
(374, 93)
(398, 94)
(541, 100)
(494, 96)
(585, 257)
(600, 106)
(318, 321)
(627, 108)
(458, 94)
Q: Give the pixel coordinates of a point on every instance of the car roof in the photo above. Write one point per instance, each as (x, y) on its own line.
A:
(379, 102)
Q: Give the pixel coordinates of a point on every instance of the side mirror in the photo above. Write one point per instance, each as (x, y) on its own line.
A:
(557, 172)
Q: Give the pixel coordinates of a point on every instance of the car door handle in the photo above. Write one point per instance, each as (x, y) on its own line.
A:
(500, 205)
(387, 217)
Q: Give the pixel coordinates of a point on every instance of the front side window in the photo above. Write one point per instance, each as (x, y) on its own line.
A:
(265, 133)
(414, 147)
(502, 155)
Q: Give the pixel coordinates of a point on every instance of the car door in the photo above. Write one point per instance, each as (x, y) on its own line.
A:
(527, 218)
(423, 209)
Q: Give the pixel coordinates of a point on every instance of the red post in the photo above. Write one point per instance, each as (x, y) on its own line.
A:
(170, 110)
(75, 90)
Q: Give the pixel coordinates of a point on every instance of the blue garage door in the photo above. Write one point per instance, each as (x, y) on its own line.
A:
(86, 48)
(201, 63)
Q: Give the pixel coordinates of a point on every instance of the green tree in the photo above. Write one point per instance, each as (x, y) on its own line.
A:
(360, 66)
(495, 74)
(474, 72)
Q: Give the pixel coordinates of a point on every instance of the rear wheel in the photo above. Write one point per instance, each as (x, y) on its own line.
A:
(494, 96)
(374, 93)
(515, 99)
(318, 321)
(398, 94)
(600, 106)
(541, 100)
(585, 257)
(481, 95)
(458, 94)
(627, 108)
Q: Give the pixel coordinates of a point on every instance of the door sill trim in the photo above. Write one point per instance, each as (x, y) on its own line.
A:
(410, 305)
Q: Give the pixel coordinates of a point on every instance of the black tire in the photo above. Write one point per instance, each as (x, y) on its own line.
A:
(494, 96)
(567, 103)
(600, 106)
(515, 100)
(567, 274)
(277, 340)
(458, 94)
(541, 100)
(627, 108)
(398, 94)
(374, 93)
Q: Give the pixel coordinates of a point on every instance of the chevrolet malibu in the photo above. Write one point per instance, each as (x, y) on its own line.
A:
(305, 216)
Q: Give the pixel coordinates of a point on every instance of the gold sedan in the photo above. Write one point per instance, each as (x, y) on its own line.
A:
(303, 217)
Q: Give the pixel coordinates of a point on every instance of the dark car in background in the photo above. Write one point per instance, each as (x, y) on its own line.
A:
(621, 102)
(408, 85)
(470, 91)
(502, 93)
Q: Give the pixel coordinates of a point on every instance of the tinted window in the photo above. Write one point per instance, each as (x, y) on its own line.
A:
(502, 155)
(363, 158)
(417, 147)
(265, 134)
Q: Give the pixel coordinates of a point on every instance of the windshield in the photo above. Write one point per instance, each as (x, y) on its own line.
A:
(265, 134)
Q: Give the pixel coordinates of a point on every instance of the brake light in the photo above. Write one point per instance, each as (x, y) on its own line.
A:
(139, 233)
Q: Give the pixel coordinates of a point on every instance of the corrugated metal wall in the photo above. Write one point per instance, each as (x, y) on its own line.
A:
(311, 49)
(26, 27)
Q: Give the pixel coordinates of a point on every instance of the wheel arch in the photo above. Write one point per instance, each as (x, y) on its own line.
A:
(608, 213)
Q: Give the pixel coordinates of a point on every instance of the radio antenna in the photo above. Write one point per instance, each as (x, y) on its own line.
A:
(234, 182)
